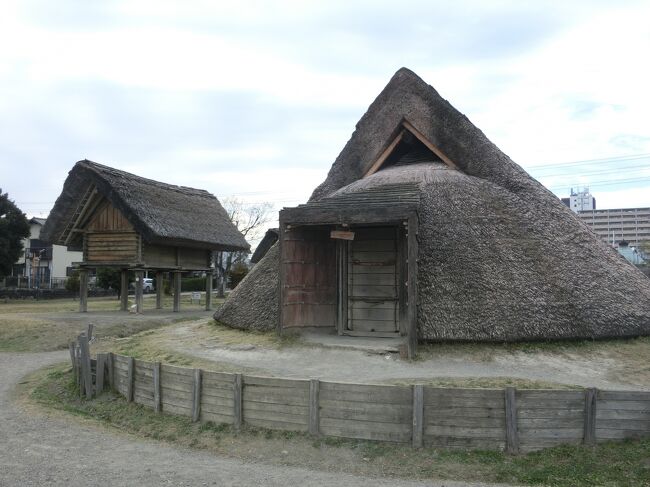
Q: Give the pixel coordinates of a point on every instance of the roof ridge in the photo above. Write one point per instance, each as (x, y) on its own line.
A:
(98, 168)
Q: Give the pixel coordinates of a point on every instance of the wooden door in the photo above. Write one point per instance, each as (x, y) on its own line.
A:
(373, 291)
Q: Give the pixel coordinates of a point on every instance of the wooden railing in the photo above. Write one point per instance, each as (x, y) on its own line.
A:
(510, 419)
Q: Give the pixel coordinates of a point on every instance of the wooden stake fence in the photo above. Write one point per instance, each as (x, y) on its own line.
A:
(506, 419)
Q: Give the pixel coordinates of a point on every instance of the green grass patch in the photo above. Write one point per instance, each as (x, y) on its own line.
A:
(612, 464)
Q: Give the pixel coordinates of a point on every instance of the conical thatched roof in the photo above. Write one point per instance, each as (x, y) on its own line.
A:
(500, 257)
(160, 212)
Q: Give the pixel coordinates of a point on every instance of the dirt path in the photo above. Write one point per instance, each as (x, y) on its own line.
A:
(340, 364)
(37, 449)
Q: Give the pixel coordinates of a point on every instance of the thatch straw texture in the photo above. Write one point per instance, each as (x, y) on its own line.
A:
(160, 212)
(259, 293)
(500, 257)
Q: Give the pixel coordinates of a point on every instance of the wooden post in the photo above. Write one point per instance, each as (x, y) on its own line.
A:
(208, 291)
(111, 379)
(412, 279)
(160, 286)
(418, 416)
(237, 400)
(156, 387)
(282, 231)
(177, 291)
(89, 332)
(512, 436)
(589, 437)
(196, 396)
(124, 290)
(130, 376)
(314, 407)
(79, 371)
(99, 377)
(139, 277)
(342, 275)
(83, 290)
(73, 358)
(85, 366)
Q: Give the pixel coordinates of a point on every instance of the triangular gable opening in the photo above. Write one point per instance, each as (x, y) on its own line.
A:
(409, 147)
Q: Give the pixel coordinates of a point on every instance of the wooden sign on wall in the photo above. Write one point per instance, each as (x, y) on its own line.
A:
(342, 235)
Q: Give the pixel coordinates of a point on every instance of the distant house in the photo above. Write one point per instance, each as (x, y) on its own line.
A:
(43, 265)
(127, 222)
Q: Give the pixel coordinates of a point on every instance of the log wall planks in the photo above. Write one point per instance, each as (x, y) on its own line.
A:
(434, 417)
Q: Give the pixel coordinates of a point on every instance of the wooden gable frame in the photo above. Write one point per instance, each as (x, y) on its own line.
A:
(404, 127)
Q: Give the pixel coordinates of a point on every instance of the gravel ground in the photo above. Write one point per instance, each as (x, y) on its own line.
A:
(349, 365)
(45, 450)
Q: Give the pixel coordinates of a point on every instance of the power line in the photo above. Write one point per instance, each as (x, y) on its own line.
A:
(605, 160)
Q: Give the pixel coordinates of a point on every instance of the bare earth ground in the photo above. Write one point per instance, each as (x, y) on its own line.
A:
(55, 449)
(608, 365)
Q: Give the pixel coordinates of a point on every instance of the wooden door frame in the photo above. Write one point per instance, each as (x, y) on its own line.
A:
(407, 220)
(342, 272)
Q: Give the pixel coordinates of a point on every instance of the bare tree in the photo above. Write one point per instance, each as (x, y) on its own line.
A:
(251, 221)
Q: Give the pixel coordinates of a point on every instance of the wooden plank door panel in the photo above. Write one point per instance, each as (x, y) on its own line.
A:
(373, 292)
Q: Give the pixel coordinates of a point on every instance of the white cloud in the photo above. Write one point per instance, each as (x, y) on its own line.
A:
(575, 89)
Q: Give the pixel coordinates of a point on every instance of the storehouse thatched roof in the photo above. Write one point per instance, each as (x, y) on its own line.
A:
(162, 213)
(500, 257)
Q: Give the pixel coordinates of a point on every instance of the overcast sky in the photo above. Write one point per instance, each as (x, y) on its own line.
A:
(256, 99)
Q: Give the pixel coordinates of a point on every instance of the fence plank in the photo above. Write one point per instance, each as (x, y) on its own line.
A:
(129, 379)
(77, 354)
(196, 395)
(156, 387)
(111, 373)
(72, 357)
(512, 439)
(418, 415)
(99, 375)
(85, 366)
(314, 408)
(237, 400)
(589, 436)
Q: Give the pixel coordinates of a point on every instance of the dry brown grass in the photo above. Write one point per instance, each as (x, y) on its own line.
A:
(483, 383)
(35, 326)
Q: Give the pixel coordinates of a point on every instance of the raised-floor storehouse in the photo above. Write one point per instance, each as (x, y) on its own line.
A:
(124, 221)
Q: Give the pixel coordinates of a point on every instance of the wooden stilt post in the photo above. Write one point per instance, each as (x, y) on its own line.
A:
(124, 290)
(139, 277)
(208, 291)
(83, 290)
(159, 289)
(177, 291)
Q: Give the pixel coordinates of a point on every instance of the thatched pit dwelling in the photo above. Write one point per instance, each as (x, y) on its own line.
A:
(425, 229)
(127, 222)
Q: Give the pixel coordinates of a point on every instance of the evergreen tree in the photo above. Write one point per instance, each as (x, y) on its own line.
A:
(14, 227)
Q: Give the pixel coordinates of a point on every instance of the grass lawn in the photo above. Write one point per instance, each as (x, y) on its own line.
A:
(45, 325)
(608, 464)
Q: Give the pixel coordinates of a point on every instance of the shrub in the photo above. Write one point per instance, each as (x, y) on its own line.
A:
(193, 284)
(236, 274)
(72, 282)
